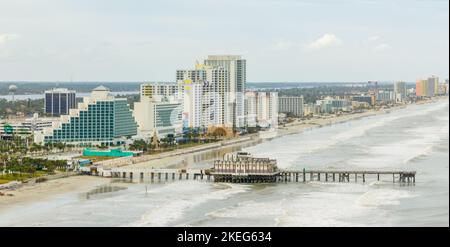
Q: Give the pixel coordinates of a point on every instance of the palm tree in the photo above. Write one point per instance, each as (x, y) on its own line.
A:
(3, 160)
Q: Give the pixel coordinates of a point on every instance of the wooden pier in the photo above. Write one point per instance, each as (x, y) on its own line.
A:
(343, 176)
(346, 175)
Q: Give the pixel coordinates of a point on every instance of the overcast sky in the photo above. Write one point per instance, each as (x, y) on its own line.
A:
(290, 40)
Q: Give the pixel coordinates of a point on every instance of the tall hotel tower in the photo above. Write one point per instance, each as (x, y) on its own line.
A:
(234, 89)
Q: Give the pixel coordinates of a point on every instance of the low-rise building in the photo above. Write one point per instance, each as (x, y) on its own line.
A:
(369, 99)
(330, 105)
(25, 126)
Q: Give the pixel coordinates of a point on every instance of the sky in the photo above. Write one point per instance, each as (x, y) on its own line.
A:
(282, 40)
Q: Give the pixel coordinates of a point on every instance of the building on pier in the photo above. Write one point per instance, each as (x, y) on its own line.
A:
(241, 167)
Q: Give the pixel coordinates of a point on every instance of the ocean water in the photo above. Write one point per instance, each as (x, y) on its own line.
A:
(414, 138)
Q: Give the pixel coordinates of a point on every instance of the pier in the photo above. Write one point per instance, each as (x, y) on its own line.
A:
(346, 175)
(280, 176)
(241, 167)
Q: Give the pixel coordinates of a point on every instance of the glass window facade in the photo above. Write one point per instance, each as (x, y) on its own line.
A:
(59, 103)
(101, 122)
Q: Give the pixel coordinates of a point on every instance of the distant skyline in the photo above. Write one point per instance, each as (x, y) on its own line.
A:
(282, 40)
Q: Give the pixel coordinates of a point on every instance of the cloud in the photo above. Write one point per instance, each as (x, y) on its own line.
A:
(5, 37)
(327, 40)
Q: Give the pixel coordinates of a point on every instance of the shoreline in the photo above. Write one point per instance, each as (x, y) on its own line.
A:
(79, 184)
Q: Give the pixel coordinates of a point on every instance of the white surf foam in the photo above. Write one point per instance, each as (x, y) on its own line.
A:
(188, 196)
(382, 197)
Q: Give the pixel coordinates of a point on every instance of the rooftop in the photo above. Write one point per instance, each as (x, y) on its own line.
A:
(100, 88)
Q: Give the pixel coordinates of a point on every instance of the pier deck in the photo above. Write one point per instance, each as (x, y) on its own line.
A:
(279, 176)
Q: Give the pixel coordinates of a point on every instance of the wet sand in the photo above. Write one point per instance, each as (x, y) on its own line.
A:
(46, 190)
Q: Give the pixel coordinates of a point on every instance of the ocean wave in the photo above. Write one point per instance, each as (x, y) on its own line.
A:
(307, 143)
(187, 198)
(382, 197)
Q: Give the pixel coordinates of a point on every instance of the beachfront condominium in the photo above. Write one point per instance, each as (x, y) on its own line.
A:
(159, 114)
(251, 108)
(428, 87)
(433, 85)
(101, 119)
(291, 105)
(261, 109)
(234, 88)
(421, 87)
(203, 96)
(400, 91)
(59, 101)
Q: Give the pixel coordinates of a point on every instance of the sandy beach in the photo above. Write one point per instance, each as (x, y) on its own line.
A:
(42, 191)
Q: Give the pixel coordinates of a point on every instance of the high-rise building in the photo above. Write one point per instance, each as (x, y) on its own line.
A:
(291, 104)
(234, 87)
(433, 86)
(251, 108)
(400, 90)
(101, 119)
(202, 105)
(159, 113)
(264, 106)
(59, 101)
(204, 96)
(421, 87)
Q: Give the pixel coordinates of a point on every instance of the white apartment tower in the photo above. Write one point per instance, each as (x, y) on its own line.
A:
(251, 108)
(204, 96)
(262, 108)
